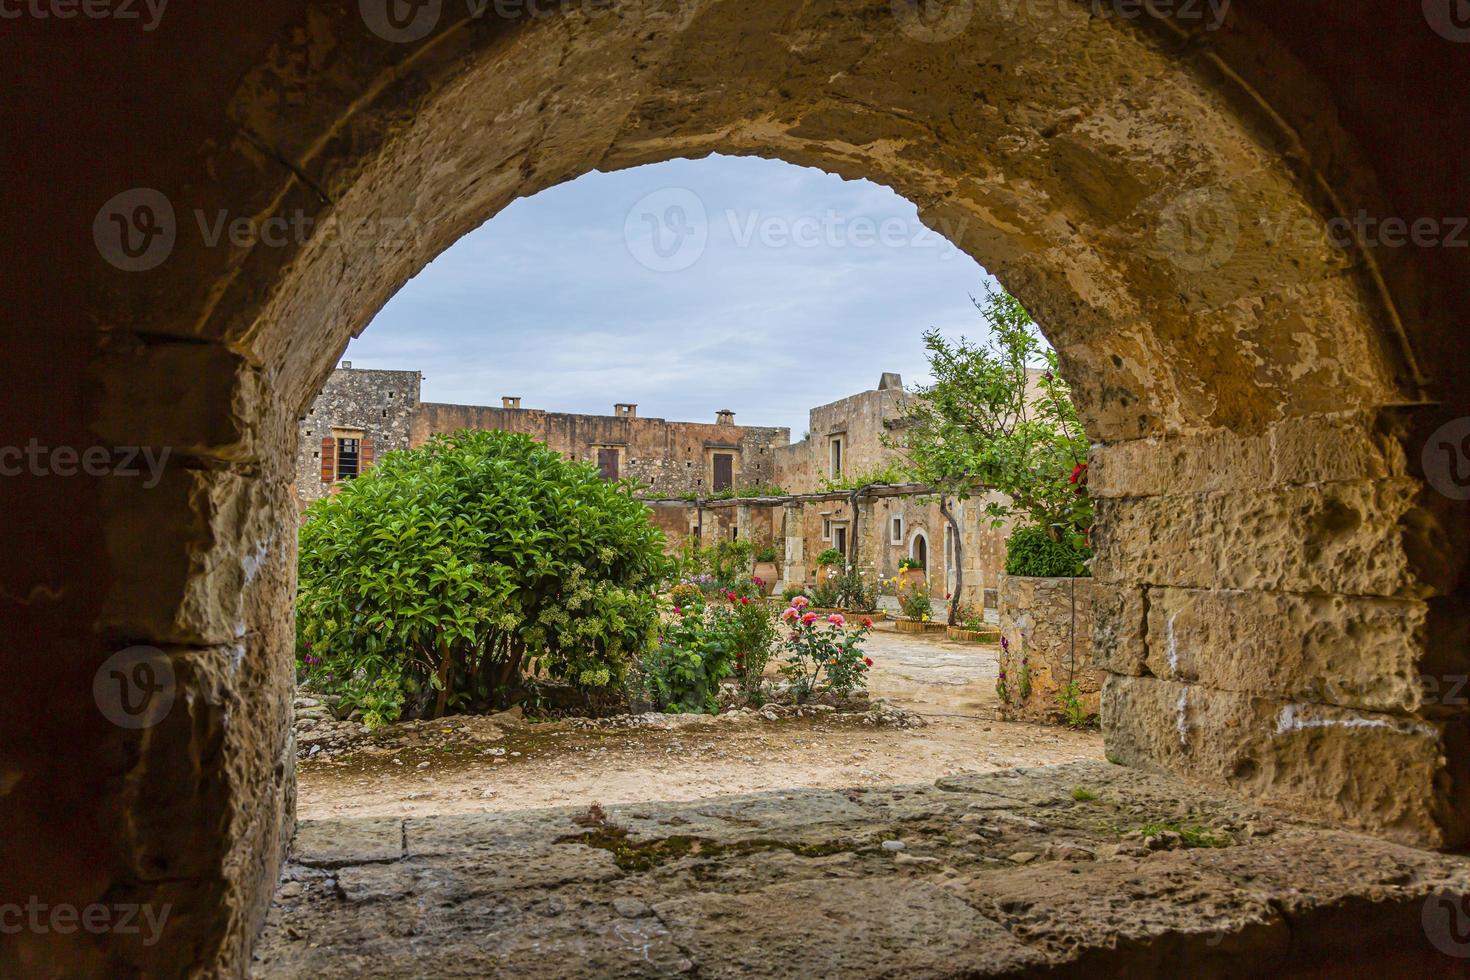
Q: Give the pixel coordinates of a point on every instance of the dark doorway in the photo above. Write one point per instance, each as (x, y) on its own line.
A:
(607, 464)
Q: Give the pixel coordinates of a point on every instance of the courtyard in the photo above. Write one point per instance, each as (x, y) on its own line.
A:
(946, 726)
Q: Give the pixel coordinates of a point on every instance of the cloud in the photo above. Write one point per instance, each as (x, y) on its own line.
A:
(808, 288)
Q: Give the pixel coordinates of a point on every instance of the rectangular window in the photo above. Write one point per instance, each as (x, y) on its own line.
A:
(607, 464)
(897, 536)
(836, 467)
(839, 536)
(349, 458)
(724, 472)
(826, 530)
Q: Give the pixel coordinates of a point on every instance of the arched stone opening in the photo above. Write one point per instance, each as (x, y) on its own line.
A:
(1274, 575)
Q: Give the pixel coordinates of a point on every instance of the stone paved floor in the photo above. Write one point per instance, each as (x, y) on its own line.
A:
(1012, 873)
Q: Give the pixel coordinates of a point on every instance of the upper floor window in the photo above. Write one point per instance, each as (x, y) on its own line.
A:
(349, 458)
(835, 467)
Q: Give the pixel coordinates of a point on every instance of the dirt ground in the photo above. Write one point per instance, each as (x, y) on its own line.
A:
(951, 685)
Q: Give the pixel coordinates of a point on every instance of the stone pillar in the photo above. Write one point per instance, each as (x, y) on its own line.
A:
(793, 572)
(745, 522)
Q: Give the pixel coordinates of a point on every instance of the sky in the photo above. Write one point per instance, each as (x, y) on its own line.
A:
(685, 287)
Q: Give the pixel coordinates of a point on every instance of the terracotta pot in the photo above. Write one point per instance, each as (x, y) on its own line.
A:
(916, 576)
(768, 572)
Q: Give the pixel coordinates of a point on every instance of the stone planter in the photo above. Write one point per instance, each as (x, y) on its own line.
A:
(918, 626)
(768, 572)
(1046, 646)
(962, 635)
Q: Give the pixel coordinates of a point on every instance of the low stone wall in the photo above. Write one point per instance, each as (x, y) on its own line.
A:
(1039, 620)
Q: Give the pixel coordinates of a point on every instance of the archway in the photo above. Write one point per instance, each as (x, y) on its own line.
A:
(1259, 396)
(919, 549)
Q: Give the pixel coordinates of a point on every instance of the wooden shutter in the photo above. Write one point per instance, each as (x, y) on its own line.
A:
(607, 464)
(329, 460)
(365, 459)
(724, 471)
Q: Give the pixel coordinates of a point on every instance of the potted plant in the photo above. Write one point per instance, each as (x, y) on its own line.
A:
(829, 564)
(767, 571)
(912, 570)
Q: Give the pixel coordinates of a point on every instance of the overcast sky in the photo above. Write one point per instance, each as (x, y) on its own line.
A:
(685, 287)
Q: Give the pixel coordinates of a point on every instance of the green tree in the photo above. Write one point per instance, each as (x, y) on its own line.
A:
(443, 575)
(999, 416)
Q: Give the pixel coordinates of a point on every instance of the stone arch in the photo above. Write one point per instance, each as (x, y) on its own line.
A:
(1155, 192)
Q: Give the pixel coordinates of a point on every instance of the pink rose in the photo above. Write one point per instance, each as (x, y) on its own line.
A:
(800, 602)
(789, 615)
(836, 620)
(809, 618)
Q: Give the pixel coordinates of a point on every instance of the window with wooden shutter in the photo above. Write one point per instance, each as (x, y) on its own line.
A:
(329, 459)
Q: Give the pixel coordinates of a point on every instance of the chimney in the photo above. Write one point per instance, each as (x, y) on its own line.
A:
(890, 381)
(724, 417)
(625, 410)
(510, 401)
(347, 365)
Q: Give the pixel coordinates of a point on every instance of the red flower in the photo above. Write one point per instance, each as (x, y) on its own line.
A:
(868, 622)
(744, 601)
(1079, 474)
(868, 661)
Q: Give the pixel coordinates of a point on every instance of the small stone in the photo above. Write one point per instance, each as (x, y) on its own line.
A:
(914, 859)
(1023, 857)
(894, 845)
(291, 889)
(422, 765)
(630, 908)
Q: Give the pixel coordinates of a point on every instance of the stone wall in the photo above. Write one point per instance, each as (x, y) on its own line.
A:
(1047, 626)
(669, 458)
(860, 420)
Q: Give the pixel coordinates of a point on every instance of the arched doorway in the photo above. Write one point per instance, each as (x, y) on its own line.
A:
(919, 549)
(1259, 398)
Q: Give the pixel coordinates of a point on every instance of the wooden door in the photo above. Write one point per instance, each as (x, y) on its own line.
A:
(724, 472)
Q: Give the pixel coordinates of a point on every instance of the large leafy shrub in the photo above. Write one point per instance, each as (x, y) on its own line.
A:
(1033, 551)
(439, 578)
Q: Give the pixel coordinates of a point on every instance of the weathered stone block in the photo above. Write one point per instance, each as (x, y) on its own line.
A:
(1296, 451)
(1387, 774)
(1292, 646)
(1358, 538)
(1118, 628)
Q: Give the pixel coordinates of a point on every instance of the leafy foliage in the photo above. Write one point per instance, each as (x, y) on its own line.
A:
(831, 556)
(999, 416)
(891, 473)
(684, 671)
(1032, 551)
(440, 576)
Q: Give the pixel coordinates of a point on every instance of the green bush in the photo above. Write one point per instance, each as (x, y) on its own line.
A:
(440, 577)
(826, 595)
(1032, 552)
(695, 652)
(792, 591)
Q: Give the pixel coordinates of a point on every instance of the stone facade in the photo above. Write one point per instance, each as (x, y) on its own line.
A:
(377, 407)
(667, 458)
(1047, 626)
